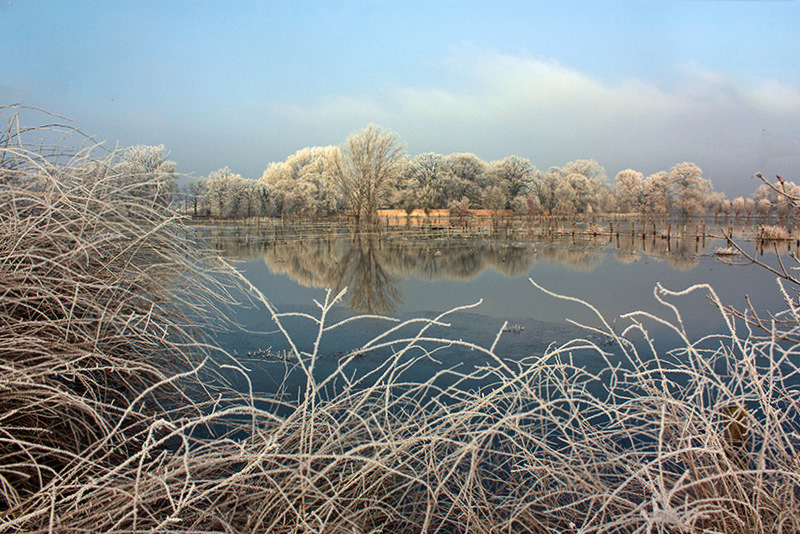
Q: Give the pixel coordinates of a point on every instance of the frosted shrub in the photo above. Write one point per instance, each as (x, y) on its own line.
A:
(773, 233)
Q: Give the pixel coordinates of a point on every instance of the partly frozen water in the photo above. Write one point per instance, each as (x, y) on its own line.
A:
(405, 279)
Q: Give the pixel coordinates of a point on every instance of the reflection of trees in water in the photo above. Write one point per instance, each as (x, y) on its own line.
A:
(337, 263)
(457, 260)
(512, 260)
(627, 256)
(371, 288)
(440, 259)
(683, 255)
(370, 266)
(577, 259)
(310, 262)
(468, 264)
(425, 263)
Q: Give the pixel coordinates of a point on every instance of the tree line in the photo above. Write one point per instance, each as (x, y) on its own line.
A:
(372, 170)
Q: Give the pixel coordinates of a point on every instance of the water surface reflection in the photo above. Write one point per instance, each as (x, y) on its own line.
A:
(410, 275)
(372, 264)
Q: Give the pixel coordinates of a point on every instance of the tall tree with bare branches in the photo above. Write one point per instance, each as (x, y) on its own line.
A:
(365, 168)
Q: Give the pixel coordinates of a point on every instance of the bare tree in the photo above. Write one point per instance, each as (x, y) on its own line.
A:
(367, 165)
(195, 190)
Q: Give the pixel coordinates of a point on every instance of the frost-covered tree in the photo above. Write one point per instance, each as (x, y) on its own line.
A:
(737, 206)
(544, 189)
(261, 198)
(763, 191)
(588, 179)
(656, 195)
(195, 192)
(253, 195)
(565, 198)
(226, 192)
(303, 185)
(783, 203)
(366, 167)
(578, 187)
(689, 189)
(715, 200)
(467, 166)
(584, 193)
(764, 207)
(725, 207)
(606, 200)
(589, 168)
(144, 171)
(427, 183)
(495, 198)
(780, 201)
(628, 190)
(525, 205)
(515, 173)
(459, 208)
(470, 172)
(749, 207)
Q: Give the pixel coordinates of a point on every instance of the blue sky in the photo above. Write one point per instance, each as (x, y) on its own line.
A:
(641, 85)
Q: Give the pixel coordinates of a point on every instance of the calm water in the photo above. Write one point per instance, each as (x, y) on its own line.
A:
(409, 276)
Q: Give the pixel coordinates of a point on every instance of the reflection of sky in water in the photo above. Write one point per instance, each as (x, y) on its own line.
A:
(420, 282)
(613, 288)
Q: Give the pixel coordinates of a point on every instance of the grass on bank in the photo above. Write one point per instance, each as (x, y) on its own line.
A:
(115, 416)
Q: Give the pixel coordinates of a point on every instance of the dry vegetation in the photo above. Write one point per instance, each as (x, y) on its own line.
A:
(773, 232)
(114, 417)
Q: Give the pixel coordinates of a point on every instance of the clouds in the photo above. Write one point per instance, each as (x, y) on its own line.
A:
(551, 113)
(493, 105)
(775, 98)
(630, 85)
